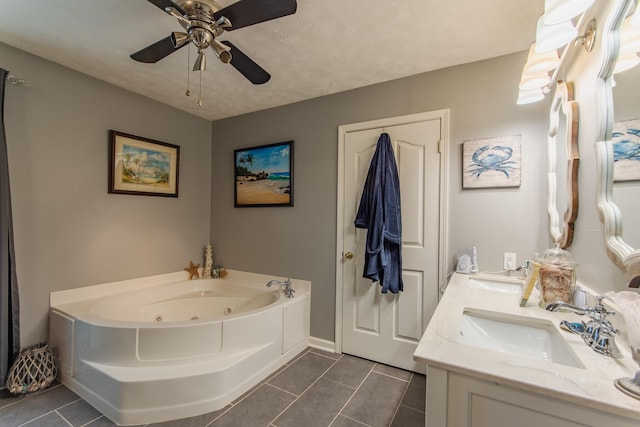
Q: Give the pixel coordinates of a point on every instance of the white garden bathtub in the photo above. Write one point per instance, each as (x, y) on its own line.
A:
(163, 347)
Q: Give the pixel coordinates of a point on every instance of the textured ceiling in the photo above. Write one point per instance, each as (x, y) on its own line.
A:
(327, 46)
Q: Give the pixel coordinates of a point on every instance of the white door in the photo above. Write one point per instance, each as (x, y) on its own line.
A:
(387, 327)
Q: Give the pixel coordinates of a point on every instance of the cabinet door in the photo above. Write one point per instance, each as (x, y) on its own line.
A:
(478, 403)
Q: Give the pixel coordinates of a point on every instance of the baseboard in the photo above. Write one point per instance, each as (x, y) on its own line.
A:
(322, 344)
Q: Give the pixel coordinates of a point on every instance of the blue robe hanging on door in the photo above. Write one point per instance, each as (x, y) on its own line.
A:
(379, 213)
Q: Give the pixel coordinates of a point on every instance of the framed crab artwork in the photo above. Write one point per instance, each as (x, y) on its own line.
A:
(491, 162)
(625, 139)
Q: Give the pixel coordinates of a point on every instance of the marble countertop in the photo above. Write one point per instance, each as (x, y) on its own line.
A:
(592, 386)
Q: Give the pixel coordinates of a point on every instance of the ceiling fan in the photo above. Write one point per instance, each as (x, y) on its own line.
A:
(205, 20)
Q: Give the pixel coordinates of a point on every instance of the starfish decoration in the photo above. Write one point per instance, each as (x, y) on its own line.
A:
(193, 270)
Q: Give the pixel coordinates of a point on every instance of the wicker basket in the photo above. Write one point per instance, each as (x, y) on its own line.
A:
(33, 370)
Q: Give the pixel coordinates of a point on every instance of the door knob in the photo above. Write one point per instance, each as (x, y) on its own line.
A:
(348, 255)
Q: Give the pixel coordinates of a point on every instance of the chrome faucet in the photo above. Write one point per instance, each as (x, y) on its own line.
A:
(561, 305)
(598, 333)
(288, 290)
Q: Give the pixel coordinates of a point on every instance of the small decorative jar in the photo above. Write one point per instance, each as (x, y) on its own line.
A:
(557, 276)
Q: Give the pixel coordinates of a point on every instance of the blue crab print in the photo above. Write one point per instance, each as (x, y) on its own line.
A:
(626, 149)
(496, 159)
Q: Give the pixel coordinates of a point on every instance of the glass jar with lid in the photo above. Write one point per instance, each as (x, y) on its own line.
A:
(557, 276)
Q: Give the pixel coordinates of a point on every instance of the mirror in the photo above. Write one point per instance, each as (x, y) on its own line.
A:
(563, 157)
(618, 169)
(625, 140)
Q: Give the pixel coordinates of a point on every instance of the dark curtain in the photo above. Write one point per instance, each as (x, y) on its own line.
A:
(9, 303)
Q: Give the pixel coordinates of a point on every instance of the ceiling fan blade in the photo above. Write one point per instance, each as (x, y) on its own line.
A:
(164, 4)
(249, 12)
(156, 51)
(241, 62)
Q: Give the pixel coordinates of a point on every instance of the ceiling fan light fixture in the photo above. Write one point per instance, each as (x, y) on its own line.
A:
(201, 62)
(179, 39)
(204, 21)
(222, 52)
(223, 22)
(178, 14)
(201, 37)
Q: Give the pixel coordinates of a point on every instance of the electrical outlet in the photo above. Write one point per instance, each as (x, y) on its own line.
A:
(509, 261)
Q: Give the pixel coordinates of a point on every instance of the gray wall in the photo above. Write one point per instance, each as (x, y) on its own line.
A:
(300, 241)
(69, 232)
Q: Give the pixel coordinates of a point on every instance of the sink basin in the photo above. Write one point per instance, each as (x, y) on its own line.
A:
(495, 286)
(516, 335)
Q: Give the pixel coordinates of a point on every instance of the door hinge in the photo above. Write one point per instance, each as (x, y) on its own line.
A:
(440, 147)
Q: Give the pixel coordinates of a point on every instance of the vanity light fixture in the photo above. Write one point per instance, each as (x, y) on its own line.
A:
(556, 11)
(541, 62)
(634, 19)
(543, 53)
(530, 96)
(535, 75)
(552, 37)
(588, 39)
(626, 62)
(629, 46)
(534, 81)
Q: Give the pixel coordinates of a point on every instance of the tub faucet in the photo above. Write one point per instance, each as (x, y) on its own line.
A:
(598, 333)
(288, 290)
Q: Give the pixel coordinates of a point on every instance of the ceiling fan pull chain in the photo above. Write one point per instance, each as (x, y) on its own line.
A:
(200, 91)
(188, 92)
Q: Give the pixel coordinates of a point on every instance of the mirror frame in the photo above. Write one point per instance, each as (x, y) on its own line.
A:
(563, 103)
(622, 254)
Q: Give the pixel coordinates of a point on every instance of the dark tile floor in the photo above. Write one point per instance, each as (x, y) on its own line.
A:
(315, 389)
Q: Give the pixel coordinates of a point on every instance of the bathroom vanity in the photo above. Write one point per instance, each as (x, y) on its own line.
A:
(493, 363)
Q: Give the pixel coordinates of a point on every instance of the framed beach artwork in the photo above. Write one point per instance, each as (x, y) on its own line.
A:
(264, 175)
(142, 166)
(491, 162)
(625, 139)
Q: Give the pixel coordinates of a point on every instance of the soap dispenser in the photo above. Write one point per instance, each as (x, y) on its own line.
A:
(557, 276)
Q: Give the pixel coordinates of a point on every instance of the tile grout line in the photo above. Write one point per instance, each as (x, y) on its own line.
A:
(36, 418)
(218, 417)
(70, 403)
(62, 416)
(285, 391)
(351, 397)
(95, 419)
(327, 357)
(391, 376)
(272, 422)
(413, 409)
(339, 383)
(404, 393)
(352, 419)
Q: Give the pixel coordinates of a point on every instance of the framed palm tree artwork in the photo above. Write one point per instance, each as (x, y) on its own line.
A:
(264, 175)
(142, 166)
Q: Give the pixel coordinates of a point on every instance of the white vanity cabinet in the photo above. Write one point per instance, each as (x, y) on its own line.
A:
(473, 384)
(455, 399)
